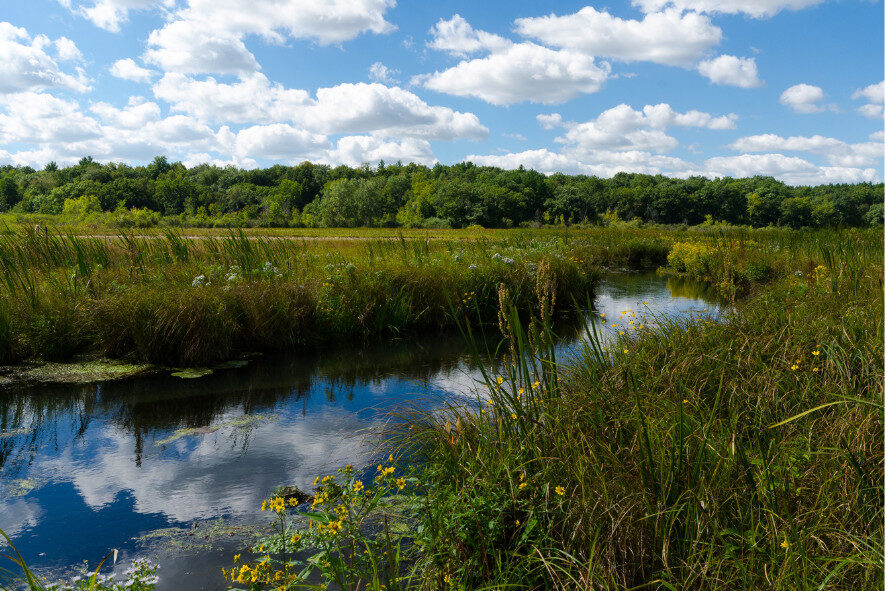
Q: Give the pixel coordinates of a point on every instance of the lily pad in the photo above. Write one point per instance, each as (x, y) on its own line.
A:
(190, 373)
(232, 364)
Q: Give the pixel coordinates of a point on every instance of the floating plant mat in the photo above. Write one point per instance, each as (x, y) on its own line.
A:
(244, 422)
(190, 373)
(22, 486)
(14, 432)
(203, 535)
(81, 372)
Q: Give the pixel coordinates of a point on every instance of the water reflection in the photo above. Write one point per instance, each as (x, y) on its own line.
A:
(88, 468)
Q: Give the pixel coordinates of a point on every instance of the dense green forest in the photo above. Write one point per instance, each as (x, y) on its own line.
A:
(413, 195)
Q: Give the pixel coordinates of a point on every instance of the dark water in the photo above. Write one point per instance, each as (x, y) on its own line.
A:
(137, 464)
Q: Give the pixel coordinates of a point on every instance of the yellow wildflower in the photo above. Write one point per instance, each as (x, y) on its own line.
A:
(560, 490)
(401, 482)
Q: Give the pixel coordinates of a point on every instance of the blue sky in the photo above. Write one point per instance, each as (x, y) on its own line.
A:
(788, 88)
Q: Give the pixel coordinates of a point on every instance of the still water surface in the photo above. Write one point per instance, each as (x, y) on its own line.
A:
(169, 468)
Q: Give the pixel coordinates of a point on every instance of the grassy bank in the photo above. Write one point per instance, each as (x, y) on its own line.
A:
(737, 455)
(176, 299)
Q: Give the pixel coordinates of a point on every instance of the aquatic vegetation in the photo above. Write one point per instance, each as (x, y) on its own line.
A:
(84, 372)
(22, 486)
(244, 422)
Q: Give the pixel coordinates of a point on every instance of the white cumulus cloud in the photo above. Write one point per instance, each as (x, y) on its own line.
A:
(111, 14)
(457, 37)
(378, 72)
(252, 99)
(601, 163)
(731, 71)
(522, 72)
(350, 108)
(38, 117)
(67, 50)
(360, 149)
(127, 69)
(754, 8)
(837, 152)
(874, 95)
(668, 37)
(138, 113)
(624, 128)
(279, 141)
(790, 169)
(182, 47)
(207, 36)
(25, 65)
(803, 98)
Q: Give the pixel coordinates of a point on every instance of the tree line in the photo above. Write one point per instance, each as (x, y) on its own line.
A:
(414, 195)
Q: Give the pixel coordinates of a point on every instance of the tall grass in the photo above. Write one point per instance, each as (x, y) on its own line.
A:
(178, 300)
(744, 454)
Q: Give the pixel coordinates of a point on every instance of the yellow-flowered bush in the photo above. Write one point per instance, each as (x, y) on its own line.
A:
(695, 260)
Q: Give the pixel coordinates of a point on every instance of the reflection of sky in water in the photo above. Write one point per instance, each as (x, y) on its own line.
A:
(97, 466)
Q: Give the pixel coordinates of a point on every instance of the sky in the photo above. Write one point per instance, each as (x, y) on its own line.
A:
(788, 88)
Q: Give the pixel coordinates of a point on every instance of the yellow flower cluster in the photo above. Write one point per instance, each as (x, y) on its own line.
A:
(278, 504)
(261, 573)
(319, 499)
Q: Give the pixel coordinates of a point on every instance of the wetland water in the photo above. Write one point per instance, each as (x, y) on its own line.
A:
(175, 469)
